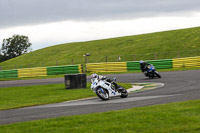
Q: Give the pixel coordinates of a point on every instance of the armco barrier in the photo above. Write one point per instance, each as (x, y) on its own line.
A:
(161, 64)
(32, 72)
(126, 66)
(186, 62)
(64, 69)
(133, 66)
(8, 74)
(107, 67)
(41, 71)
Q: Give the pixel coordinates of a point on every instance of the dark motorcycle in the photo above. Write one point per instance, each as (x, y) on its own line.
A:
(151, 72)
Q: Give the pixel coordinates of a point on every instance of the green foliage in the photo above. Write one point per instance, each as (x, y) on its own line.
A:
(168, 118)
(160, 45)
(15, 46)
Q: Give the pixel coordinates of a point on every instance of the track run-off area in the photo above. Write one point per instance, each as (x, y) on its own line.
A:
(177, 86)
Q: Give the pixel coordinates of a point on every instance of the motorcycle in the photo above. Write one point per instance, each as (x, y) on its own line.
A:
(151, 72)
(106, 89)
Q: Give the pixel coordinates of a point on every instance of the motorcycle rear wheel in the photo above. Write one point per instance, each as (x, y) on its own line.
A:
(124, 93)
(102, 94)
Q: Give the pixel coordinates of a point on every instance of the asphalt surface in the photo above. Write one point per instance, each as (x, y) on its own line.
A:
(178, 86)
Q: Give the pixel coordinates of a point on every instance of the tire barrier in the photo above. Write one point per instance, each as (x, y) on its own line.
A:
(75, 81)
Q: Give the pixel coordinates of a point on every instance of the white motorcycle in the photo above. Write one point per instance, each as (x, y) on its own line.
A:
(106, 89)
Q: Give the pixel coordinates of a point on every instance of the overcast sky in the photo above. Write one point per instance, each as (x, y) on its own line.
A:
(50, 22)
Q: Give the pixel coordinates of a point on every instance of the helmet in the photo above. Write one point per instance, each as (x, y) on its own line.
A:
(94, 75)
(101, 77)
(141, 62)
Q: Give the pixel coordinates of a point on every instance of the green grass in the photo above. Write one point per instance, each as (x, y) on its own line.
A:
(164, 44)
(16, 97)
(167, 118)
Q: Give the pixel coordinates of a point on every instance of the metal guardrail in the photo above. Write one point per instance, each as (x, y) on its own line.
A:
(107, 58)
(189, 62)
(41, 71)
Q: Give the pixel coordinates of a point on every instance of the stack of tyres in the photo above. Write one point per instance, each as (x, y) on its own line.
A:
(75, 81)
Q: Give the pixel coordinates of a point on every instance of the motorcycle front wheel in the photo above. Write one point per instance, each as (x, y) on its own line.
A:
(157, 74)
(102, 93)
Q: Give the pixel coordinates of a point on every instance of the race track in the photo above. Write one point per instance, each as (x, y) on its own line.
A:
(178, 86)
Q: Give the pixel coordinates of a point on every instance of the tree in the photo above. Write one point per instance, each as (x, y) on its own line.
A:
(1, 58)
(15, 46)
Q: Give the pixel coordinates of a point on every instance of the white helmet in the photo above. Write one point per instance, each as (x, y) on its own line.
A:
(141, 61)
(94, 75)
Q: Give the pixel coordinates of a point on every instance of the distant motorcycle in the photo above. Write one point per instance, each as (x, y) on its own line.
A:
(105, 89)
(151, 72)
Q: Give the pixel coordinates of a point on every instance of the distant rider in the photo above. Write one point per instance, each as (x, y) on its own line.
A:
(144, 66)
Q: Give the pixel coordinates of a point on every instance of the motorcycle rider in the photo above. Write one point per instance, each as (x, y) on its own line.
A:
(144, 66)
(101, 77)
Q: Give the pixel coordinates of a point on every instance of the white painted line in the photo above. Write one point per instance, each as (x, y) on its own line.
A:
(135, 88)
(98, 101)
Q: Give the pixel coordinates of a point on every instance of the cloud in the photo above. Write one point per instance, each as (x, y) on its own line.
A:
(32, 12)
(45, 35)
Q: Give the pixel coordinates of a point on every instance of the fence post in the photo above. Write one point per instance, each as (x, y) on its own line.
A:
(134, 57)
(72, 61)
(178, 54)
(106, 58)
(118, 58)
(29, 65)
(56, 62)
(155, 55)
(82, 68)
(85, 63)
(85, 60)
(42, 64)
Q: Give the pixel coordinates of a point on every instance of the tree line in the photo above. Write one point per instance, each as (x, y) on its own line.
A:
(14, 46)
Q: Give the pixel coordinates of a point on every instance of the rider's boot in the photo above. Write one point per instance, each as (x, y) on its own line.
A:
(119, 88)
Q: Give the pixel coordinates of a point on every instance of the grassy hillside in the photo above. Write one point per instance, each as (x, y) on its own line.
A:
(160, 45)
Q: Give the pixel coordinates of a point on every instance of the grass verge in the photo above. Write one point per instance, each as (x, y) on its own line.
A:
(16, 97)
(167, 118)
